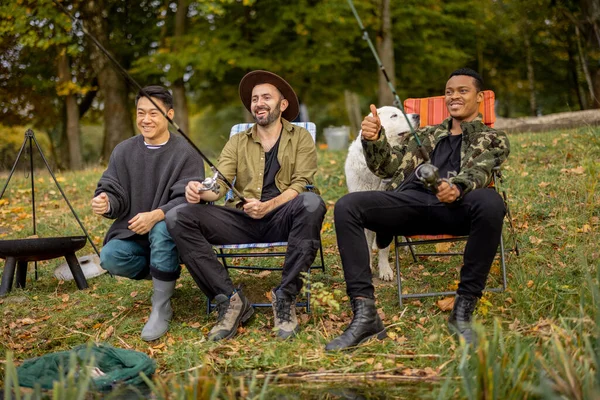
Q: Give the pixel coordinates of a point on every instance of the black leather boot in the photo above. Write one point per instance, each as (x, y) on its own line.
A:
(365, 325)
(461, 316)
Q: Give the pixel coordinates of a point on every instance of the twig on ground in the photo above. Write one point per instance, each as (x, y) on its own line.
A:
(404, 355)
(124, 342)
(75, 331)
(187, 370)
(344, 377)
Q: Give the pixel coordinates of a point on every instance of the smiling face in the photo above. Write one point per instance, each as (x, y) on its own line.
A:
(463, 98)
(150, 121)
(267, 104)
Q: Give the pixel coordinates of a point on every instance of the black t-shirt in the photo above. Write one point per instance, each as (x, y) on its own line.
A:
(272, 166)
(445, 156)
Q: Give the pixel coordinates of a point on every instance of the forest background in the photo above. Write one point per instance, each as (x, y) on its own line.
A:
(539, 56)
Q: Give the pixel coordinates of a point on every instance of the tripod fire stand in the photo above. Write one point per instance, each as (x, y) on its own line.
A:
(19, 252)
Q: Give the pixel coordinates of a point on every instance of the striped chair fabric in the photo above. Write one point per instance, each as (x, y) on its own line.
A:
(433, 110)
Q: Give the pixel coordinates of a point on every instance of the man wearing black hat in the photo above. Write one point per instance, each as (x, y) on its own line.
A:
(273, 163)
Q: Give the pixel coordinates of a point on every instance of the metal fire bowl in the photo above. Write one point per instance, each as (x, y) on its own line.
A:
(38, 249)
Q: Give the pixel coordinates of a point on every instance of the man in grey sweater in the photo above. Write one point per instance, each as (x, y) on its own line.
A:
(146, 177)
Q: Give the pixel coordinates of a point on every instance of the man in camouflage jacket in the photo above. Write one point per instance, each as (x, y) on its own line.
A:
(465, 151)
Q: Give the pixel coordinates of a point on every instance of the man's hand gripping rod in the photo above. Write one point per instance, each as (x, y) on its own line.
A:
(426, 172)
(208, 183)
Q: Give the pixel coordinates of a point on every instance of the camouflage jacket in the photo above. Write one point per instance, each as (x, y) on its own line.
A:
(483, 148)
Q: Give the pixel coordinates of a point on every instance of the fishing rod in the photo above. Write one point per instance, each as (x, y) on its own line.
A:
(209, 183)
(426, 172)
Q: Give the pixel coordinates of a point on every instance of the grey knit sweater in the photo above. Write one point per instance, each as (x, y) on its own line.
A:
(139, 179)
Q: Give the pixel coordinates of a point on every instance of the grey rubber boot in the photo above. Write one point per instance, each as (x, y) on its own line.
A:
(158, 322)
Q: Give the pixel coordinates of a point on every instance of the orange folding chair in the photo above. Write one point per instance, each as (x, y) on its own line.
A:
(432, 111)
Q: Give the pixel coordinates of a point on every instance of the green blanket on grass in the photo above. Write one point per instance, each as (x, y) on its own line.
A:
(104, 365)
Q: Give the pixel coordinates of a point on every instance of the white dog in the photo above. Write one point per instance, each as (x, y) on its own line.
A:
(360, 178)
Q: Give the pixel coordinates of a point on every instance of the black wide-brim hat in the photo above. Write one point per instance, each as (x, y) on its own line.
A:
(259, 77)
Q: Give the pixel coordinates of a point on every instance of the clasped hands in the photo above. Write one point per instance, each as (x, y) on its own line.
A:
(141, 223)
(253, 207)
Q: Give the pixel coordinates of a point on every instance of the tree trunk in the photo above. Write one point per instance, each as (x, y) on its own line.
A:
(118, 124)
(586, 71)
(530, 78)
(353, 109)
(179, 97)
(385, 48)
(71, 125)
(573, 66)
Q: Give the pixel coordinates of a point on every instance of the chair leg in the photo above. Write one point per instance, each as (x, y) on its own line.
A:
(208, 308)
(412, 250)
(397, 261)
(21, 274)
(321, 253)
(503, 263)
(8, 275)
(308, 286)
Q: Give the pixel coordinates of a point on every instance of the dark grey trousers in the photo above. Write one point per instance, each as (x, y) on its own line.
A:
(196, 227)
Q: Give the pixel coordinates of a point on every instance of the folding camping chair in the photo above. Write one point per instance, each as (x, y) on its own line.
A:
(432, 111)
(232, 251)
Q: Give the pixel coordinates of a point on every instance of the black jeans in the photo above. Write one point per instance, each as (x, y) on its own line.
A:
(479, 214)
(196, 227)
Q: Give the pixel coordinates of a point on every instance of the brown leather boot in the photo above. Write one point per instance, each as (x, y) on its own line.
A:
(232, 312)
(284, 310)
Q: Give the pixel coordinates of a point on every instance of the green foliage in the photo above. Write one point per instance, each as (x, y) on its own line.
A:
(12, 140)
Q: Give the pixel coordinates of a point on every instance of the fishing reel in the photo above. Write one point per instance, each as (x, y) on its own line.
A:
(211, 183)
(429, 175)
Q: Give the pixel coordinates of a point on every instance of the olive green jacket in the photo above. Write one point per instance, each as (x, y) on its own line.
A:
(482, 149)
(243, 158)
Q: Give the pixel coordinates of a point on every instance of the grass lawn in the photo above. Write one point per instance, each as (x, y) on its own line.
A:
(552, 183)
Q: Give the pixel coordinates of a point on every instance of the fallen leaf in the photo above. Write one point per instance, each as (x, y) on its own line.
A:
(535, 240)
(107, 333)
(442, 247)
(133, 294)
(543, 184)
(159, 346)
(529, 283)
(263, 274)
(26, 321)
(446, 304)
(586, 228)
(578, 171)
(370, 361)
(65, 297)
